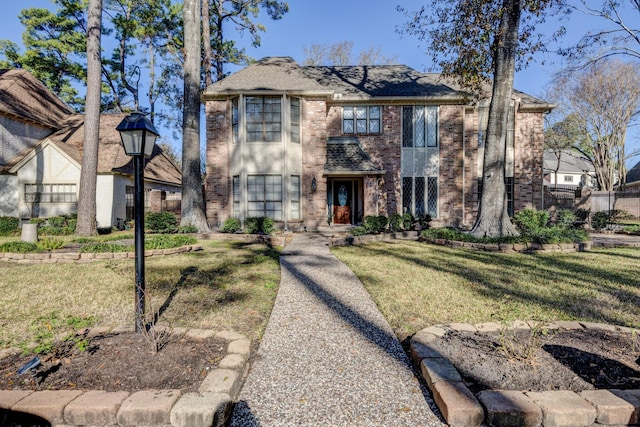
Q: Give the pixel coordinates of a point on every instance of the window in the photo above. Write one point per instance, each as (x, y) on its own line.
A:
(129, 202)
(236, 196)
(568, 178)
(420, 196)
(419, 126)
(362, 120)
(264, 193)
(509, 184)
(264, 118)
(50, 193)
(294, 196)
(235, 120)
(295, 119)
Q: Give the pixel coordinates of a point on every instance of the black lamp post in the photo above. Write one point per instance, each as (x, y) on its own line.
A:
(138, 138)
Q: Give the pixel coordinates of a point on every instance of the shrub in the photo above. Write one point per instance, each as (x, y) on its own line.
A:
(529, 221)
(375, 224)
(56, 221)
(395, 222)
(424, 221)
(8, 225)
(99, 247)
(19, 247)
(55, 231)
(50, 243)
(231, 225)
(161, 222)
(258, 225)
(565, 218)
(407, 221)
(359, 231)
(599, 220)
(168, 241)
(187, 229)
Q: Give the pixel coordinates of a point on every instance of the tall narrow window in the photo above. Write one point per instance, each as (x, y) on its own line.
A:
(235, 120)
(295, 119)
(294, 197)
(129, 202)
(236, 196)
(264, 194)
(264, 118)
(420, 160)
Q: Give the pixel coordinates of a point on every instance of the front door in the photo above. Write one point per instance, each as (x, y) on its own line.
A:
(342, 202)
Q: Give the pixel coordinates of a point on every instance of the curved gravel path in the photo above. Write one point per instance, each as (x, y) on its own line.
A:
(328, 357)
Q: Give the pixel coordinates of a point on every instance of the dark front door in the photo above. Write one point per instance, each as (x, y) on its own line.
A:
(342, 201)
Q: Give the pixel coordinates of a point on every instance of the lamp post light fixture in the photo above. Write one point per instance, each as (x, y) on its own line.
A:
(138, 139)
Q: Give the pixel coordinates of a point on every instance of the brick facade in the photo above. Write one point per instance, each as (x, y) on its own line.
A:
(382, 195)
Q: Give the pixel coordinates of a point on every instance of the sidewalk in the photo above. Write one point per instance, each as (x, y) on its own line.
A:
(328, 357)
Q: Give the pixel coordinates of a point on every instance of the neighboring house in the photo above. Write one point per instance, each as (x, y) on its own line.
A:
(633, 178)
(568, 168)
(312, 145)
(41, 143)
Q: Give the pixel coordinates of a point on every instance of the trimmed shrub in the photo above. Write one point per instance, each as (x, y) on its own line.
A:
(258, 225)
(168, 241)
(529, 221)
(359, 231)
(56, 221)
(161, 222)
(231, 225)
(8, 225)
(424, 221)
(407, 221)
(187, 229)
(375, 224)
(395, 222)
(565, 218)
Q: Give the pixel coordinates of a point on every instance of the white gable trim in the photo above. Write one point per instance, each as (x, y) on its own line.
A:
(37, 149)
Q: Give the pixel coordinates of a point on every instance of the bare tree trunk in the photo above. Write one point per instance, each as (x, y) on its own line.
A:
(493, 217)
(193, 208)
(206, 43)
(88, 176)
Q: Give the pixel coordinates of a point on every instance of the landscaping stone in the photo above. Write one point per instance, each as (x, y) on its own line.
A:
(563, 408)
(611, 409)
(507, 408)
(458, 405)
(47, 404)
(221, 381)
(201, 410)
(438, 369)
(8, 398)
(94, 408)
(148, 408)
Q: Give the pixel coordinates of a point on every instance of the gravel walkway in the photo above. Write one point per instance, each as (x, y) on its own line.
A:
(328, 357)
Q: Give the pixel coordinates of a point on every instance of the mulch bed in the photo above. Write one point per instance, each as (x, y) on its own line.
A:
(117, 362)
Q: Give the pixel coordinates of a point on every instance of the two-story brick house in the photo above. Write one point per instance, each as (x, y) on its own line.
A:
(312, 145)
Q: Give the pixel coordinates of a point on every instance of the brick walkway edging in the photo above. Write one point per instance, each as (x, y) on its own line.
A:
(211, 405)
(83, 257)
(460, 407)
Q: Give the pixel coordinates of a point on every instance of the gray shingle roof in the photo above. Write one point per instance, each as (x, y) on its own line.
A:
(633, 174)
(346, 156)
(571, 161)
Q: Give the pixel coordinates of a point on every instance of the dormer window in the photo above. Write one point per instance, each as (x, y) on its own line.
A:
(362, 119)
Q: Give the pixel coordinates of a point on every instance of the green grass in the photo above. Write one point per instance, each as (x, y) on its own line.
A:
(228, 285)
(416, 285)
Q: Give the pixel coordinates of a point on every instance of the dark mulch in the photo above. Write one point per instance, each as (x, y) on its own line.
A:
(117, 362)
(562, 360)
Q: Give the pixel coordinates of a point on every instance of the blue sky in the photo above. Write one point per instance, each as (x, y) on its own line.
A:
(366, 23)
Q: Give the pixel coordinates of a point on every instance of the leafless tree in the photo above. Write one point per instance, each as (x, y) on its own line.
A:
(605, 96)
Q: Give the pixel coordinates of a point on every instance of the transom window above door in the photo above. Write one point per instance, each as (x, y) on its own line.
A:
(362, 119)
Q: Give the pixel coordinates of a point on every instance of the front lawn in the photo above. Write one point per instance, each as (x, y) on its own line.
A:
(417, 285)
(227, 285)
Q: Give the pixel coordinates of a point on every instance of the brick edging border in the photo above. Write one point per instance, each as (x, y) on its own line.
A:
(211, 405)
(83, 257)
(460, 407)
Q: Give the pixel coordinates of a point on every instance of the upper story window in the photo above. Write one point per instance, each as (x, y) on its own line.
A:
(264, 118)
(235, 120)
(362, 119)
(419, 126)
(294, 114)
